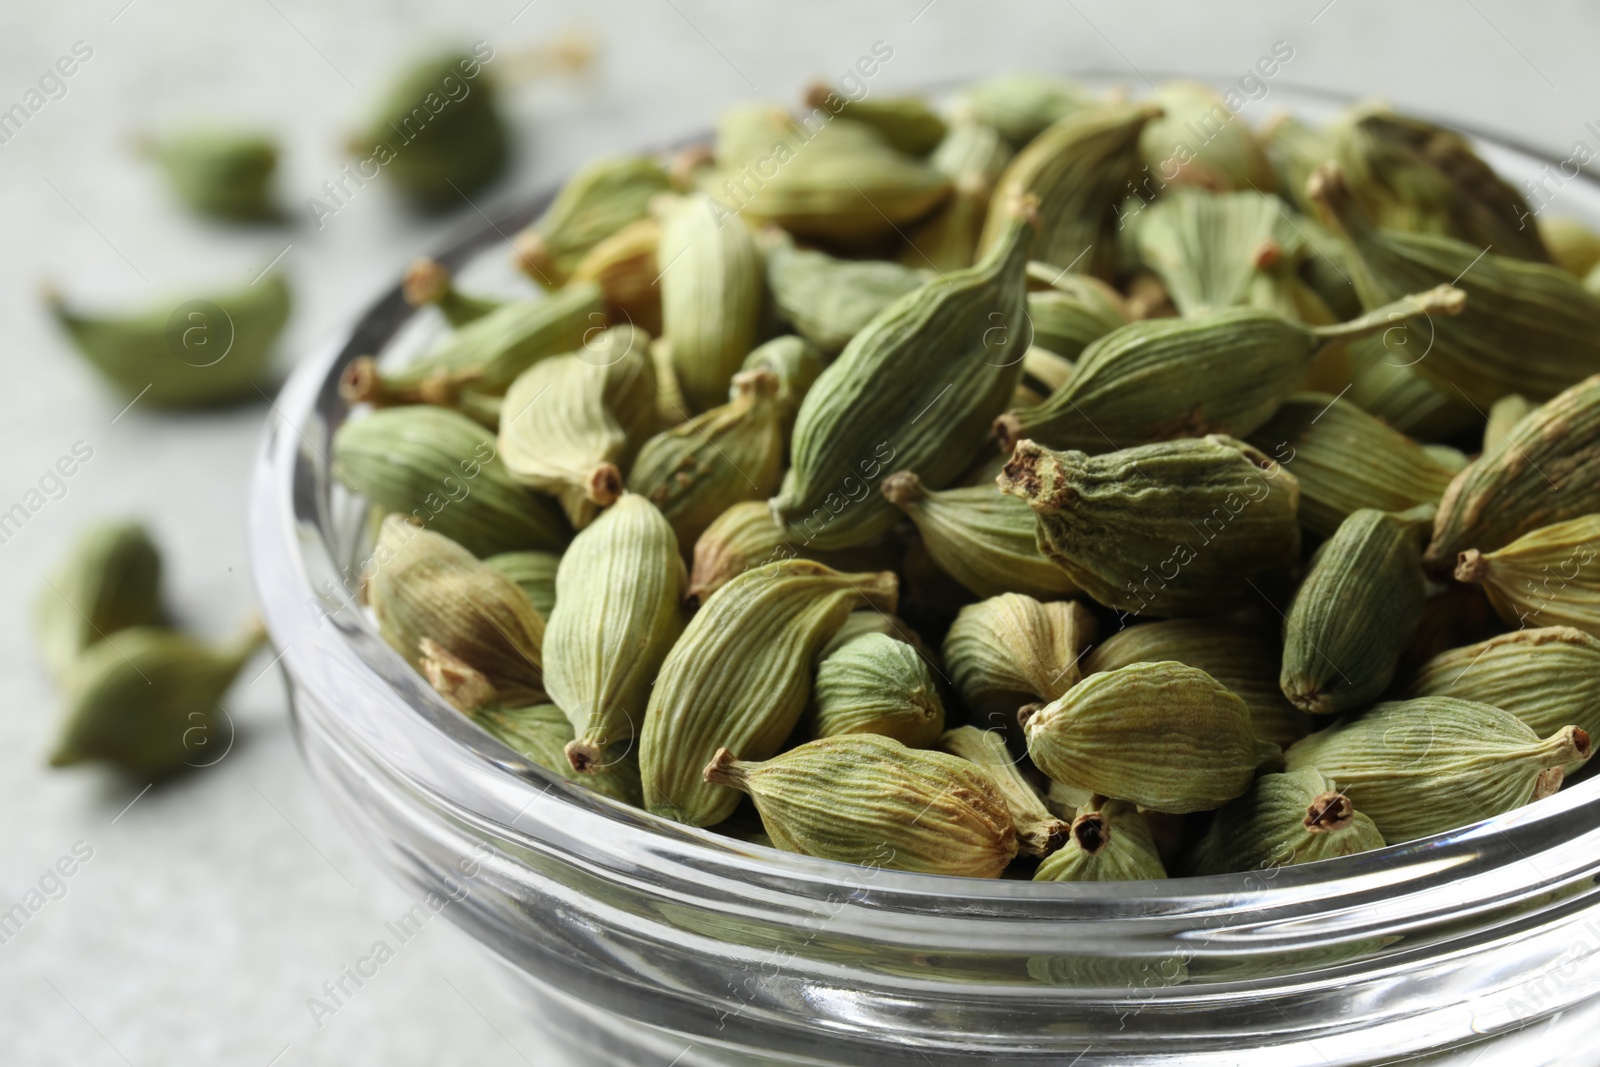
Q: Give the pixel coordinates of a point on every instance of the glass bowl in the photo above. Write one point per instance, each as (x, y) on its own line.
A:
(636, 940)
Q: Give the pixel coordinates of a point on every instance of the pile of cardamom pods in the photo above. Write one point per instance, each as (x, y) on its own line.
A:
(923, 486)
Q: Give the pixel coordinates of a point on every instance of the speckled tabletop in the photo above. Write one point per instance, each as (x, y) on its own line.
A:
(202, 914)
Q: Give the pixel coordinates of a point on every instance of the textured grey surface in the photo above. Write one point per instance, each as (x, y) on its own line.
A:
(214, 907)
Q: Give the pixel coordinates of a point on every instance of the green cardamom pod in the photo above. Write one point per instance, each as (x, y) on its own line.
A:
(1215, 371)
(194, 353)
(1242, 658)
(1039, 833)
(1112, 843)
(1543, 578)
(918, 386)
(1199, 141)
(624, 267)
(570, 424)
(1541, 676)
(441, 468)
(542, 733)
(619, 593)
(866, 799)
(1297, 148)
(1355, 613)
(437, 134)
(1435, 764)
(1503, 418)
(1022, 106)
(1284, 819)
(728, 455)
(872, 621)
(828, 300)
(534, 573)
(1078, 169)
(223, 173)
(427, 281)
(973, 156)
(711, 297)
(1346, 460)
(1073, 313)
(110, 580)
(1385, 384)
(1175, 528)
(427, 586)
(486, 354)
(875, 684)
(1527, 328)
(739, 678)
(1165, 736)
(1012, 650)
(144, 699)
(1548, 471)
(746, 535)
(796, 362)
(906, 122)
(596, 203)
(1572, 245)
(980, 537)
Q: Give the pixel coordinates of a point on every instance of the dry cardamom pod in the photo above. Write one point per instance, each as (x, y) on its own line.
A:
(534, 573)
(1242, 658)
(542, 733)
(619, 592)
(1434, 764)
(746, 535)
(624, 267)
(1356, 612)
(865, 799)
(918, 386)
(191, 354)
(110, 580)
(1174, 528)
(875, 684)
(1215, 371)
(1284, 819)
(486, 355)
(219, 172)
(1111, 843)
(1572, 245)
(427, 586)
(973, 156)
(143, 699)
(1527, 328)
(711, 296)
(739, 678)
(1545, 578)
(906, 122)
(570, 424)
(728, 455)
(427, 281)
(1346, 460)
(828, 300)
(1078, 169)
(1021, 106)
(1039, 833)
(441, 468)
(1012, 650)
(1547, 471)
(980, 537)
(596, 203)
(1385, 384)
(1074, 312)
(1295, 149)
(796, 362)
(1198, 141)
(1165, 736)
(873, 621)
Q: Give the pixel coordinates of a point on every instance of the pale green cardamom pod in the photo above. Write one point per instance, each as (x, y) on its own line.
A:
(740, 676)
(534, 573)
(1542, 676)
(980, 537)
(1356, 612)
(572, 423)
(1176, 528)
(918, 386)
(872, 621)
(796, 362)
(874, 684)
(441, 469)
(1284, 819)
(109, 581)
(1243, 658)
(1074, 312)
(728, 455)
(1112, 843)
(1198, 140)
(1167, 737)
(220, 172)
(1039, 833)
(427, 586)
(1346, 460)
(711, 296)
(973, 156)
(1012, 650)
(906, 122)
(1297, 148)
(746, 535)
(1548, 471)
(619, 595)
(1504, 416)
(145, 699)
(595, 204)
(1435, 764)
(1545, 578)
(1385, 384)
(1214, 371)
(427, 281)
(1572, 245)
(866, 799)
(1021, 106)
(624, 267)
(828, 300)
(542, 733)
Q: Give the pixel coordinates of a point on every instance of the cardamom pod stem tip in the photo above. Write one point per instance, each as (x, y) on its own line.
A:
(1090, 832)
(605, 484)
(532, 256)
(1471, 567)
(725, 769)
(584, 756)
(426, 281)
(359, 384)
(1329, 812)
(903, 488)
(1026, 713)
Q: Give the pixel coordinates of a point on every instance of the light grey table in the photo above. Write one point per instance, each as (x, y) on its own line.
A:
(214, 907)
